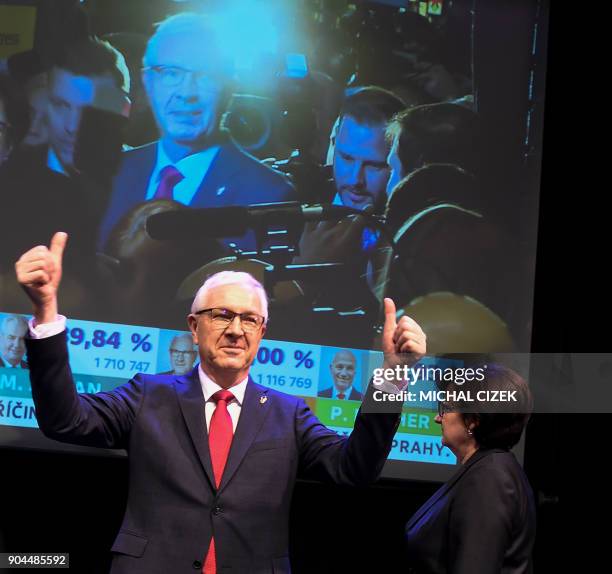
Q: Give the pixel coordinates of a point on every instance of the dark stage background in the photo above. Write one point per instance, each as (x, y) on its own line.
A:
(42, 493)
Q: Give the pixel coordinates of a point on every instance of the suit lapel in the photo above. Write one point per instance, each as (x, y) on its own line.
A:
(446, 487)
(255, 408)
(139, 173)
(215, 190)
(129, 187)
(191, 401)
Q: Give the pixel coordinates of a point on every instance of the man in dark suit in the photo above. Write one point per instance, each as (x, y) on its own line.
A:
(187, 77)
(342, 369)
(48, 184)
(12, 348)
(213, 456)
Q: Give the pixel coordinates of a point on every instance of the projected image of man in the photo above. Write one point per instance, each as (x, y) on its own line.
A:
(360, 148)
(43, 179)
(70, 91)
(361, 173)
(182, 354)
(342, 369)
(12, 348)
(188, 80)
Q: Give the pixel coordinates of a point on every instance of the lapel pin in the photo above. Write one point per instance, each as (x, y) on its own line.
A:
(263, 399)
(221, 190)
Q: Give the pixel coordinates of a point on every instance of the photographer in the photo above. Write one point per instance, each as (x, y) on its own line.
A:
(361, 174)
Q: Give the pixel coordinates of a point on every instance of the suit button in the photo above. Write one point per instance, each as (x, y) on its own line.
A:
(217, 510)
(196, 565)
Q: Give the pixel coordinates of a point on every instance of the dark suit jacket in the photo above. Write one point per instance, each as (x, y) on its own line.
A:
(354, 396)
(22, 364)
(451, 249)
(234, 178)
(41, 201)
(173, 506)
(482, 521)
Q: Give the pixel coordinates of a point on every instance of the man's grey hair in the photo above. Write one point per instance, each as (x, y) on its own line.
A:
(185, 23)
(231, 278)
(20, 319)
(186, 336)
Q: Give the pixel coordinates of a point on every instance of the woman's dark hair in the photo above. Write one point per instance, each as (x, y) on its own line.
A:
(497, 424)
(16, 110)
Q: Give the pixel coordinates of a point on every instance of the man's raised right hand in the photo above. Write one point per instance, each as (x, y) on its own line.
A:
(39, 272)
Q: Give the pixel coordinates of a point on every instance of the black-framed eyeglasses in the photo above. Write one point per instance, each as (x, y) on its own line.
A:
(177, 353)
(173, 76)
(221, 318)
(444, 407)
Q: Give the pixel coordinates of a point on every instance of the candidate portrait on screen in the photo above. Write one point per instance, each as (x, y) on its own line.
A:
(182, 354)
(343, 368)
(13, 329)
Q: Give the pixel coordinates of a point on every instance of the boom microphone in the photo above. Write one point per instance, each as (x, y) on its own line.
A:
(237, 220)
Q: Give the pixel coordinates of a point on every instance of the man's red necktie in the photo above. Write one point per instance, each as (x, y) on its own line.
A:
(168, 178)
(341, 395)
(220, 436)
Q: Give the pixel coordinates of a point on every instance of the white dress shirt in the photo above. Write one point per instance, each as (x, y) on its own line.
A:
(54, 164)
(47, 329)
(8, 365)
(193, 168)
(346, 394)
(209, 388)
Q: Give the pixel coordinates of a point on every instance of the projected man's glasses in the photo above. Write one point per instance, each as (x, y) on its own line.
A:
(173, 76)
(182, 354)
(222, 318)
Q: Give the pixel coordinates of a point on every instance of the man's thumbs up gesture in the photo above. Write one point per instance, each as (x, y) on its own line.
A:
(39, 272)
(403, 342)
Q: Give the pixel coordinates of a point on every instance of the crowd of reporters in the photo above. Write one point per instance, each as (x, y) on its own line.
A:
(409, 158)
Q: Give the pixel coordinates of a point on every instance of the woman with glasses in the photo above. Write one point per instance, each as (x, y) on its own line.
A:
(483, 519)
